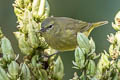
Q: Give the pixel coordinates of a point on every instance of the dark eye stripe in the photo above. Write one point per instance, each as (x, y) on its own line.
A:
(50, 26)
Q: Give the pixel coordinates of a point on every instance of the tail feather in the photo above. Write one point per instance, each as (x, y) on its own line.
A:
(100, 23)
(94, 25)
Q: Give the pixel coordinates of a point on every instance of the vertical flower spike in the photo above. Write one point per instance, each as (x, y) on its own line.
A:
(30, 23)
(58, 69)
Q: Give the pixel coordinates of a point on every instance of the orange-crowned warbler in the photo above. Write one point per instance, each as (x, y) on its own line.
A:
(61, 32)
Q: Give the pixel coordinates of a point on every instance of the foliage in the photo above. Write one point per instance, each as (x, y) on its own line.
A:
(35, 63)
(105, 66)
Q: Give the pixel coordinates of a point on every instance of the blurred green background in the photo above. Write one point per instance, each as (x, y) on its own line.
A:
(87, 10)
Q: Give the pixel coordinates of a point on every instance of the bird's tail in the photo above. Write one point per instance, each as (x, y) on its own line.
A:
(94, 25)
(100, 23)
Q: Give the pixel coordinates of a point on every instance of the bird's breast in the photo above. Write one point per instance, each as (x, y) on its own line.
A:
(63, 40)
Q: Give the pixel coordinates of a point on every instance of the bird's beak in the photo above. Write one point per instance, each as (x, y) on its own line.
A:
(42, 30)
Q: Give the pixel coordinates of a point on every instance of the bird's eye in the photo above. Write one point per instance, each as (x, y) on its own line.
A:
(50, 26)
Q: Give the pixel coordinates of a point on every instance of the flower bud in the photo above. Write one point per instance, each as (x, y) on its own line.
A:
(43, 43)
(116, 26)
(7, 50)
(117, 37)
(83, 76)
(79, 58)
(103, 63)
(118, 64)
(117, 17)
(114, 51)
(92, 45)
(19, 14)
(23, 44)
(1, 34)
(3, 74)
(18, 11)
(25, 72)
(111, 38)
(47, 11)
(2, 62)
(35, 59)
(35, 7)
(43, 75)
(32, 37)
(20, 3)
(58, 71)
(91, 68)
(83, 42)
(27, 2)
(41, 8)
(13, 69)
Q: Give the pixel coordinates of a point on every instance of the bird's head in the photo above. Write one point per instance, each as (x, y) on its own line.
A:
(47, 25)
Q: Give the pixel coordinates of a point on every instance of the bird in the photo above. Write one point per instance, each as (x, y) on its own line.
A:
(60, 33)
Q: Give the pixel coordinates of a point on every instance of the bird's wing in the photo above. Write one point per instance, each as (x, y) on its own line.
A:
(78, 25)
(82, 26)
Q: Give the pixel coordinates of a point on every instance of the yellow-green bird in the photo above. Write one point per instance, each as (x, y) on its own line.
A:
(61, 32)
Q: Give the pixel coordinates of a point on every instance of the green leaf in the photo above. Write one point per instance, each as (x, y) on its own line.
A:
(92, 45)
(13, 69)
(83, 42)
(79, 57)
(23, 43)
(91, 68)
(25, 72)
(43, 74)
(3, 74)
(7, 50)
(58, 71)
(118, 64)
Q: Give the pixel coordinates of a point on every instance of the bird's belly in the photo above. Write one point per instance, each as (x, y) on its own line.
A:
(63, 43)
